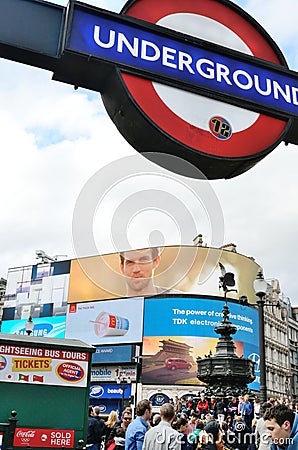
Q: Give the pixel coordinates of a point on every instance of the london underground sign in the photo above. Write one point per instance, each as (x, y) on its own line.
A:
(199, 79)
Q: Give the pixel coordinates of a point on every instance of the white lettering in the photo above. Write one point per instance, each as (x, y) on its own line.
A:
(168, 54)
(147, 45)
(209, 70)
(242, 73)
(108, 44)
(222, 71)
(277, 89)
(185, 60)
(132, 48)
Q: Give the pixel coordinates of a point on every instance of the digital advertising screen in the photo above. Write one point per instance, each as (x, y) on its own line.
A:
(173, 269)
(178, 330)
(53, 327)
(39, 290)
(109, 322)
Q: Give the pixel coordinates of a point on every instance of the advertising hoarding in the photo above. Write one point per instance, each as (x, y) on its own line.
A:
(98, 391)
(185, 269)
(112, 354)
(183, 329)
(43, 327)
(39, 290)
(20, 364)
(43, 437)
(110, 322)
(112, 373)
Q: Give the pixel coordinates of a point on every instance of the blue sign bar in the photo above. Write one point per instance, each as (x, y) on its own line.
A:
(112, 354)
(132, 46)
(110, 390)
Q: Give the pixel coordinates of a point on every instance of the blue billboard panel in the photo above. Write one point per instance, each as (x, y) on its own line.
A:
(43, 327)
(112, 354)
(99, 391)
(183, 329)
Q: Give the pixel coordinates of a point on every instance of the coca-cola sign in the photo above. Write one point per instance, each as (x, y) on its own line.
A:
(43, 437)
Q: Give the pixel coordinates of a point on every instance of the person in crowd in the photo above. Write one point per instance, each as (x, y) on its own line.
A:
(193, 438)
(242, 434)
(257, 408)
(203, 405)
(208, 418)
(282, 426)
(120, 439)
(109, 424)
(126, 418)
(94, 432)
(212, 404)
(228, 436)
(177, 405)
(240, 401)
(155, 419)
(220, 410)
(214, 441)
(229, 421)
(262, 437)
(247, 411)
(192, 423)
(163, 436)
(190, 406)
(101, 422)
(136, 430)
(233, 407)
(181, 426)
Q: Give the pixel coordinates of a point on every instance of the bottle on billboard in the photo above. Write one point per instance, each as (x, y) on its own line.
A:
(107, 324)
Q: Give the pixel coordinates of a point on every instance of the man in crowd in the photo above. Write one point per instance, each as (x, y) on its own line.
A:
(282, 425)
(136, 430)
(202, 406)
(262, 436)
(126, 418)
(163, 436)
(246, 411)
(94, 431)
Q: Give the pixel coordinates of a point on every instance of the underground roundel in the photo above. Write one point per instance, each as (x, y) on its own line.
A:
(221, 139)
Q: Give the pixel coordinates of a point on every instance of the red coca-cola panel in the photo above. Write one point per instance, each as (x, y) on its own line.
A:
(43, 437)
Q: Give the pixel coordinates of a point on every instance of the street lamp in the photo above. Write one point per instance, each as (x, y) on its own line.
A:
(29, 325)
(260, 287)
(124, 381)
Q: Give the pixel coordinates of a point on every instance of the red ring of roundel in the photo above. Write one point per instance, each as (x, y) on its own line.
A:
(267, 129)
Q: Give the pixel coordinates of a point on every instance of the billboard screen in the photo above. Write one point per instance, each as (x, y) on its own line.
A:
(186, 269)
(53, 327)
(183, 329)
(109, 322)
(39, 290)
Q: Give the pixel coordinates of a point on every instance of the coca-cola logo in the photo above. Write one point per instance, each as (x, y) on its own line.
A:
(22, 434)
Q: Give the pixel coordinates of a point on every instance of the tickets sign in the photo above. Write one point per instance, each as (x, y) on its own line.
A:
(20, 364)
(43, 437)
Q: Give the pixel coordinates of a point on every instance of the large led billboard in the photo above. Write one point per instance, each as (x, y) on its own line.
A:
(178, 330)
(109, 322)
(179, 269)
(39, 290)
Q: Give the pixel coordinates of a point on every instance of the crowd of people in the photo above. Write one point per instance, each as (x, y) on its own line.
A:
(205, 424)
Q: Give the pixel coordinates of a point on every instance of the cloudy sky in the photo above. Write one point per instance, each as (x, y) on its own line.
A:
(56, 140)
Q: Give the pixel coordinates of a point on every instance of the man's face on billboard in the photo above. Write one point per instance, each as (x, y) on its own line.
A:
(138, 268)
